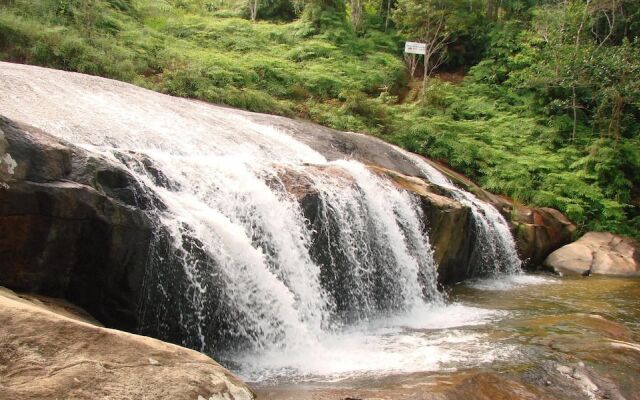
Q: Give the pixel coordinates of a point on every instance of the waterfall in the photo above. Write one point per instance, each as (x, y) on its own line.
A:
(495, 250)
(374, 239)
(237, 260)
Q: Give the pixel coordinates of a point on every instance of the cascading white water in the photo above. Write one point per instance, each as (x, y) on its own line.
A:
(254, 235)
(247, 267)
(496, 250)
(375, 238)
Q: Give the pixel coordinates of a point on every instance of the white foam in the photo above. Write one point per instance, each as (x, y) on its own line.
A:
(10, 162)
(511, 281)
(439, 316)
(426, 339)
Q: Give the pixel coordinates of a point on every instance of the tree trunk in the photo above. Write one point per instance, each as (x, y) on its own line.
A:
(253, 9)
(575, 112)
(386, 20)
(426, 72)
(616, 115)
(356, 14)
(492, 10)
(412, 64)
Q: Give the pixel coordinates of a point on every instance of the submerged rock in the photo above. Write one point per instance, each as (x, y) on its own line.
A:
(51, 352)
(600, 253)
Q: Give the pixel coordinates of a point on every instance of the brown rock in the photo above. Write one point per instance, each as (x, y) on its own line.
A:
(540, 231)
(45, 354)
(597, 253)
(537, 231)
(489, 386)
(448, 221)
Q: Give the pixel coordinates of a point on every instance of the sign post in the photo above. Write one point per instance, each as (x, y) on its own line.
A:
(414, 48)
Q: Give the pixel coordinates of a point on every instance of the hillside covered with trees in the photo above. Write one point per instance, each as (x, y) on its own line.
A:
(535, 99)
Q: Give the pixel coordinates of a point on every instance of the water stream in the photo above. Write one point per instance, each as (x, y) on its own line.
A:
(538, 337)
(495, 250)
(237, 271)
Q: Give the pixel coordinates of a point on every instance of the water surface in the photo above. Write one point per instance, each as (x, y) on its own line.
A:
(525, 336)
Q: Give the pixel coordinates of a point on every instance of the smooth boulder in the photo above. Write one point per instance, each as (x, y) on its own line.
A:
(599, 253)
(50, 351)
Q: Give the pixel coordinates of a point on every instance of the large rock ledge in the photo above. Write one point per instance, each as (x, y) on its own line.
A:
(74, 226)
(599, 253)
(71, 226)
(50, 351)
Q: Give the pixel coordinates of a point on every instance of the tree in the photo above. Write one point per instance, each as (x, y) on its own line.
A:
(282, 10)
(320, 11)
(437, 23)
(385, 9)
(356, 14)
(579, 67)
(492, 10)
(426, 22)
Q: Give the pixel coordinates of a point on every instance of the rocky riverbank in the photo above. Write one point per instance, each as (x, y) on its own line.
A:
(53, 350)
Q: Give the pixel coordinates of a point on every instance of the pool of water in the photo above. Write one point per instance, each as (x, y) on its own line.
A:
(527, 336)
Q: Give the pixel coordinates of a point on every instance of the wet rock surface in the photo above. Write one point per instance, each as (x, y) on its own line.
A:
(51, 350)
(600, 253)
(449, 224)
(71, 227)
(97, 234)
(447, 221)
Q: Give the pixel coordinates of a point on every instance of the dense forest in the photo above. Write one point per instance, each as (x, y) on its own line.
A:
(535, 99)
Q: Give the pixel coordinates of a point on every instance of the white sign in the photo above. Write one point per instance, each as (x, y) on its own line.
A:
(415, 47)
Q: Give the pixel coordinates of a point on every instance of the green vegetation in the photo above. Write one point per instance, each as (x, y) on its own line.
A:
(548, 111)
